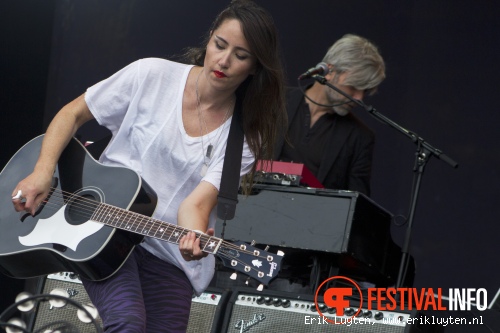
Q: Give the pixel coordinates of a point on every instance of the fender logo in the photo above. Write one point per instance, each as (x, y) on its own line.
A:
(244, 326)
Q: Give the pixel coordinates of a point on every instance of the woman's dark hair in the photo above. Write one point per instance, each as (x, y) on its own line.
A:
(263, 105)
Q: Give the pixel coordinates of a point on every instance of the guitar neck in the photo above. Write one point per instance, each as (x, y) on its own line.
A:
(148, 226)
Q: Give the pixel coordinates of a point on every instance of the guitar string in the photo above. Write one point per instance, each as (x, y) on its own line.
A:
(221, 254)
(204, 238)
(86, 210)
(110, 210)
(82, 202)
(79, 201)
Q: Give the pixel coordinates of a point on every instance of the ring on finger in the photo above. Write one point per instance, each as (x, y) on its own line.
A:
(19, 195)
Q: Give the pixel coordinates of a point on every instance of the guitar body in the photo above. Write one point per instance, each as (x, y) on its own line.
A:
(59, 237)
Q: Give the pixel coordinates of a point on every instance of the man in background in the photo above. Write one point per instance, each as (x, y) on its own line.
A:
(323, 134)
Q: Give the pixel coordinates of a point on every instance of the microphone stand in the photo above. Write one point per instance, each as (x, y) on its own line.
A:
(424, 151)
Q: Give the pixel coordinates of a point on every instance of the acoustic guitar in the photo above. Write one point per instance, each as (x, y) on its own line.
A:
(92, 219)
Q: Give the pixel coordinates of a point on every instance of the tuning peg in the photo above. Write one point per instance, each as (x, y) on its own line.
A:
(253, 242)
(267, 248)
(260, 287)
(280, 253)
(247, 281)
(233, 276)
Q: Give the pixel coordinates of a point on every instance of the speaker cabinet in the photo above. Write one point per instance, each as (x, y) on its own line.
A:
(49, 317)
(207, 311)
(278, 312)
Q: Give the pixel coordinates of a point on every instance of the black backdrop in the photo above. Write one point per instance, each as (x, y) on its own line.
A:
(442, 67)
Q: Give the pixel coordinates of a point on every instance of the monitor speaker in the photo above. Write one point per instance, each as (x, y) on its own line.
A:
(207, 311)
(278, 312)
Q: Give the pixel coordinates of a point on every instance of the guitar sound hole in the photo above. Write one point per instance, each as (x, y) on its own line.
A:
(81, 207)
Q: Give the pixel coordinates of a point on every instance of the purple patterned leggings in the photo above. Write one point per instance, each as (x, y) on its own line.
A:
(146, 294)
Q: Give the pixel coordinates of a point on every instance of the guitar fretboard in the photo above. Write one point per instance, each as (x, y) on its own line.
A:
(148, 226)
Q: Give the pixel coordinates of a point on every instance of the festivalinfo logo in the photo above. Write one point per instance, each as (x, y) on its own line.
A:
(390, 299)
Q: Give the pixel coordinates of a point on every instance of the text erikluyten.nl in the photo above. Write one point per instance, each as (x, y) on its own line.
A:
(443, 321)
(423, 320)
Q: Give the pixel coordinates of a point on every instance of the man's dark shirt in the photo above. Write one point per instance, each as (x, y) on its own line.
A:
(308, 143)
(338, 150)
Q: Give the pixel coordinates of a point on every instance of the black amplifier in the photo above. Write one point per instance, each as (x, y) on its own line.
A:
(277, 312)
(307, 219)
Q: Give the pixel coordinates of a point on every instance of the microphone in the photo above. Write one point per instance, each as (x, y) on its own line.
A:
(321, 69)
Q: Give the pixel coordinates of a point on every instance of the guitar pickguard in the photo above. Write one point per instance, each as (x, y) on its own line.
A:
(57, 230)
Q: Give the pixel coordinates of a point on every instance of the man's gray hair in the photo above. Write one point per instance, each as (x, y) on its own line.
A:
(361, 59)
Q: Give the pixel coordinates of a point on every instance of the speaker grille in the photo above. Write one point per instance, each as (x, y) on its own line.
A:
(205, 313)
(300, 317)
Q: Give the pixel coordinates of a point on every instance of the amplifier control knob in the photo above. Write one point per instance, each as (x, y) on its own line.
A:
(285, 303)
(349, 311)
(367, 314)
(379, 315)
(260, 300)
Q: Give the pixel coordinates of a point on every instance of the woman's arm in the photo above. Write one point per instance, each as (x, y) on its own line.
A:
(193, 214)
(36, 186)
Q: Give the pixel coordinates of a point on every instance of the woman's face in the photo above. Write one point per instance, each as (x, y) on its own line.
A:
(229, 60)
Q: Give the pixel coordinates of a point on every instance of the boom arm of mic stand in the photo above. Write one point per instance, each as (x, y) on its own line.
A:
(424, 151)
(413, 136)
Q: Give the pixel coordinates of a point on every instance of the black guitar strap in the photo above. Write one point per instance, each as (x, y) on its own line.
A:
(230, 182)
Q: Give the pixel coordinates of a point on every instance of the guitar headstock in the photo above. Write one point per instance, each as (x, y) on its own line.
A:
(259, 264)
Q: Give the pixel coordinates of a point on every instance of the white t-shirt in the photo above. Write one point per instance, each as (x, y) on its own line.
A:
(142, 106)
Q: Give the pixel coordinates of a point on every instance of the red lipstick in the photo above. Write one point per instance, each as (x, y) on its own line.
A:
(219, 74)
